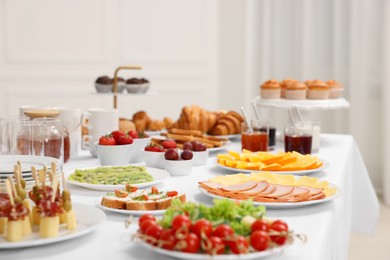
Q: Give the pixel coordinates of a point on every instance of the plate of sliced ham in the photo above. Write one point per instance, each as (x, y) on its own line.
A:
(271, 195)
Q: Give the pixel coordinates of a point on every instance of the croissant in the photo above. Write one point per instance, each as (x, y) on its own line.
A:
(195, 118)
(227, 124)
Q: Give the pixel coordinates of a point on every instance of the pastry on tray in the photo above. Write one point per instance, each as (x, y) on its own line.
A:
(270, 89)
(317, 89)
(296, 90)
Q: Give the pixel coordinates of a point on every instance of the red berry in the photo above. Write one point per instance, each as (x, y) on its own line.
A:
(169, 144)
(117, 134)
(133, 134)
(125, 139)
(107, 140)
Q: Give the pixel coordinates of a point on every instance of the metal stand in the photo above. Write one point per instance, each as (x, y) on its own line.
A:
(115, 86)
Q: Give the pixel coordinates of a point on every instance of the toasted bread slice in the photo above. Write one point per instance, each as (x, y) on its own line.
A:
(112, 201)
(141, 205)
(167, 202)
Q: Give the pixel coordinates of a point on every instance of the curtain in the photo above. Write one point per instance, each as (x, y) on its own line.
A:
(345, 40)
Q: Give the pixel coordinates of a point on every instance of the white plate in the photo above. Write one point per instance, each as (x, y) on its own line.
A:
(88, 219)
(157, 174)
(216, 149)
(228, 136)
(129, 212)
(324, 165)
(182, 255)
(282, 205)
(309, 104)
(153, 133)
(7, 162)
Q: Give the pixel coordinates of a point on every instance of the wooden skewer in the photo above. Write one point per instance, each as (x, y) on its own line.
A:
(54, 187)
(42, 177)
(17, 176)
(9, 191)
(63, 181)
(53, 168)
(34, 175)
(12, 186)
(50, 174)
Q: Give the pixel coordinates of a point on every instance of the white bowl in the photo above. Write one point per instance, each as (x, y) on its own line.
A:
(200, 157)
(138, 151)
(114, 154)
(179, 167)
(154, 159)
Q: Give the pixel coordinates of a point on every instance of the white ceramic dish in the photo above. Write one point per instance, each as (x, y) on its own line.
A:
(129, 212)
(282, 205)
(325, 165)
(154, 159)
(139, 146)
(179, 167)
(182, 255)
(200, 158)
(88, 219)
(159, 175)
(219, 148)
(7, 162)
(114, 154)
(228, 136)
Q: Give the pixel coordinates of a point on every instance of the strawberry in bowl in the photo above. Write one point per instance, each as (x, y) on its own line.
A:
(115, 148)
(154, 156)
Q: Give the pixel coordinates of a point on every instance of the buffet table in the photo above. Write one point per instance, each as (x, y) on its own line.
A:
(326, 225)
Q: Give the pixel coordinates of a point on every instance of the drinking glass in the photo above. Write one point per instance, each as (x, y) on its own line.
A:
(298, 137)
(254, 137)
(313, 128)
(26, 138)
(52, 137)
(7, 126)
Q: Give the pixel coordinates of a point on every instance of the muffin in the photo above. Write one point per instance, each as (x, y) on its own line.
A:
(134, 85)
(284, 84)
(336, 89)
(318, 89)
(146, 85)
(270, 89)
(296, 90)
(103, 84)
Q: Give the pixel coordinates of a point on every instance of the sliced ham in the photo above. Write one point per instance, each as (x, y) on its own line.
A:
(298, 194)
(317, 196)
(280, 191)
(312, 191)
(239, 187)
(258, 189)
(271, 187)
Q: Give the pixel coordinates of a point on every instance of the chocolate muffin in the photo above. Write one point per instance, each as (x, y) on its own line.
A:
(103, 84)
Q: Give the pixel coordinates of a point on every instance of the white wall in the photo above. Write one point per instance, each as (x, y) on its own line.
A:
(52, 51)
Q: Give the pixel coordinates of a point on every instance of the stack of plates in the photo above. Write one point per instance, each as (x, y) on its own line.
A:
(7, 163)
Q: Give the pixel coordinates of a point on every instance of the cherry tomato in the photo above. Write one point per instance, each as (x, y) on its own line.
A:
(142, 197)
(192, 244)
(223, 231)
(181, 222)
(260, 240)
(281, 227)
(153, 231)
(145, 224)
(260, 224)
(167, 239)
(121, 193)
(145, 217)
(154, 190)
(172, 193)
(238, 245)
(217, 246)
(131, 188)
(202, 226)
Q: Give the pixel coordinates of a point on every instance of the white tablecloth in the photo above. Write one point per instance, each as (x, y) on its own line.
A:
(327, 225)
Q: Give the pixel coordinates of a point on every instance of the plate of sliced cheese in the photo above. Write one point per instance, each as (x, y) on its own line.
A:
(270, 189)
(281, 162)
